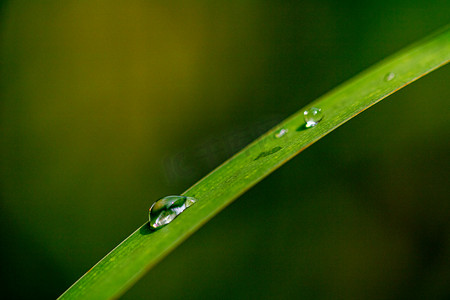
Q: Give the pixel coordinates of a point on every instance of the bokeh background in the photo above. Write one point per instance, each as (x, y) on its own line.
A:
(107, 106)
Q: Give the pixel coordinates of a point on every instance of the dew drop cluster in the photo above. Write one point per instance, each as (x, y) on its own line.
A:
(165, 210)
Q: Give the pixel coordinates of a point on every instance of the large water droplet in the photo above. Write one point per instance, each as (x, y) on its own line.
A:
(280, 133)
(312, 116)
(168, 208)
(389, 76)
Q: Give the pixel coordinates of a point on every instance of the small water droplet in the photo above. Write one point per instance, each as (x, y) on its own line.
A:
(312, 116)
(280, 133)
(389, 76)
(168, 208)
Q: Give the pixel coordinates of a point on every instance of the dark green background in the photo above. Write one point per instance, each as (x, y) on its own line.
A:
(107, 106)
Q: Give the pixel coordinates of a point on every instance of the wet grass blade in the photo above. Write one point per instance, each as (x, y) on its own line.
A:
(129, 261)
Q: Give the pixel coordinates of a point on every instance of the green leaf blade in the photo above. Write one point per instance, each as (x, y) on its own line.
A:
(130, 260)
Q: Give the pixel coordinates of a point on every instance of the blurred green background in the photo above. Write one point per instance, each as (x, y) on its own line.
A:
(107, 106)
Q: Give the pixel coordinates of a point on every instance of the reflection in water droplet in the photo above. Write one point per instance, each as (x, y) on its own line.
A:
(280, 133)
(168, 208)
(312, 116)
(389, 76)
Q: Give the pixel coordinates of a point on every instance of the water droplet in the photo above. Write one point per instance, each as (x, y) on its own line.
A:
(168, 208)
(389, 76)
(280, 133)
(312, 116)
